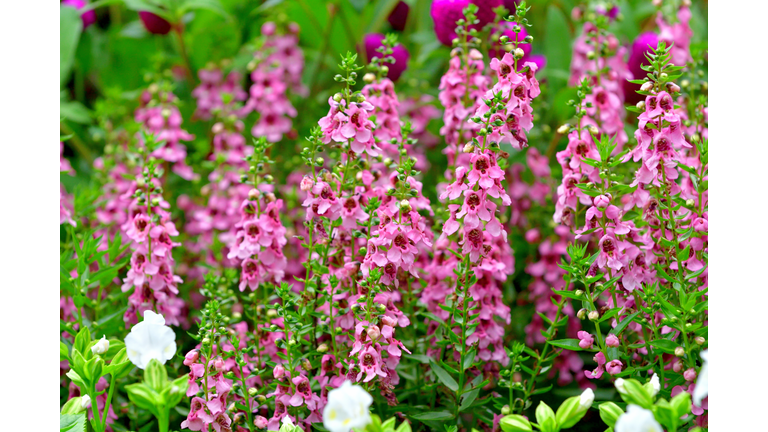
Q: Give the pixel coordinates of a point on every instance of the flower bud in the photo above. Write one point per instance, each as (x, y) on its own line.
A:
(593, 129)
(690, 374)
(101, 346)
(689, 203)
(338, 97)
(278, 372)
(322, 348)
(594, 315)
(252, 391)
(647, 86)
(699, 340)
(261, 399)
(612, 340)
(271, 313)
(260, 422)
(579, 292)
(373, 332)
(640, 105)
(673, 88)
(253, 194)
(562, 130)
(369, 78)
(679, 351)
(469, 148)
(519, 53)
(218, 364)
(405, 206)
(85, 402)
(505, 410)
(581, 314)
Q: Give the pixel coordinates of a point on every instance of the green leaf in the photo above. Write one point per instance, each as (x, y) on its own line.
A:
(82, 340)
(120, 366)
(434, 415)
(545, 417)
(610, 412)
(665, 345)
(63, 351)
(443, 376)
(569, 344)
(623, 324)
(75, 112)
(468, 397)
(71, 26)
(72, 422)
(73, 406)
(144, 397)
(515, 423)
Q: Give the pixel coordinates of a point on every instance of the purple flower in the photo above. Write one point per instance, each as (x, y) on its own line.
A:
(154, 23)
(373, 41)
(399, 16)
(445, 13)
(645, 43)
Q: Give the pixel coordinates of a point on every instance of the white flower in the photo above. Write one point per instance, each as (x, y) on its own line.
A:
(150, 339)
(620, 385)
(587, 397)
(655, 384)
(637, 419)
(101, 346)
(702, 383)
(347, 408)
(85, 402)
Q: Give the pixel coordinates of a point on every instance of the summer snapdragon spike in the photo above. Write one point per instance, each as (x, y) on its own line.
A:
(276, 73)
(260, 236)
(209, 94)
(160, 116)
(214, 222)
(650, 237)
(65, 199)
(462, 89)
(599, 57)
(208, 386)
(151, 278)
(675, 31)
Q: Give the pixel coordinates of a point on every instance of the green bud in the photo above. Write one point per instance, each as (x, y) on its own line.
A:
(515, 423)
(610, 412)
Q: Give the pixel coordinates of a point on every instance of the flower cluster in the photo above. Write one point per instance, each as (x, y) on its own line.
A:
(276, 69)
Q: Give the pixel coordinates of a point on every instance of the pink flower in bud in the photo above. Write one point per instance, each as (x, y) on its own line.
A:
(306, 183)
(612, 340)
(690, 374)
(260, 422)
(218, 364)
(191, 357)
(585, 340)
(373, 332)
(677, 366)
(602, 201)
(613, 367)
(278, 372)
(388, 321)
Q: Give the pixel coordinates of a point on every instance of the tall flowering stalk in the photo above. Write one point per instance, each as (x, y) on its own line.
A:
(276, 72)
(149, 226)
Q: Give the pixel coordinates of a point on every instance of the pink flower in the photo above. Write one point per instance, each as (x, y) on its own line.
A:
(612, 340)
(370, 364)
(585, 340)
(613, 367)
(598, 372)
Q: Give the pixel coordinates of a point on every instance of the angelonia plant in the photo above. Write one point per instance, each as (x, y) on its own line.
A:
(291, 226)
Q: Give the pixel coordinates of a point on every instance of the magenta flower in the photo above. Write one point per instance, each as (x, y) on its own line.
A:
(88, 17)
(612, 340)
(445, 13)
(373, 41)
